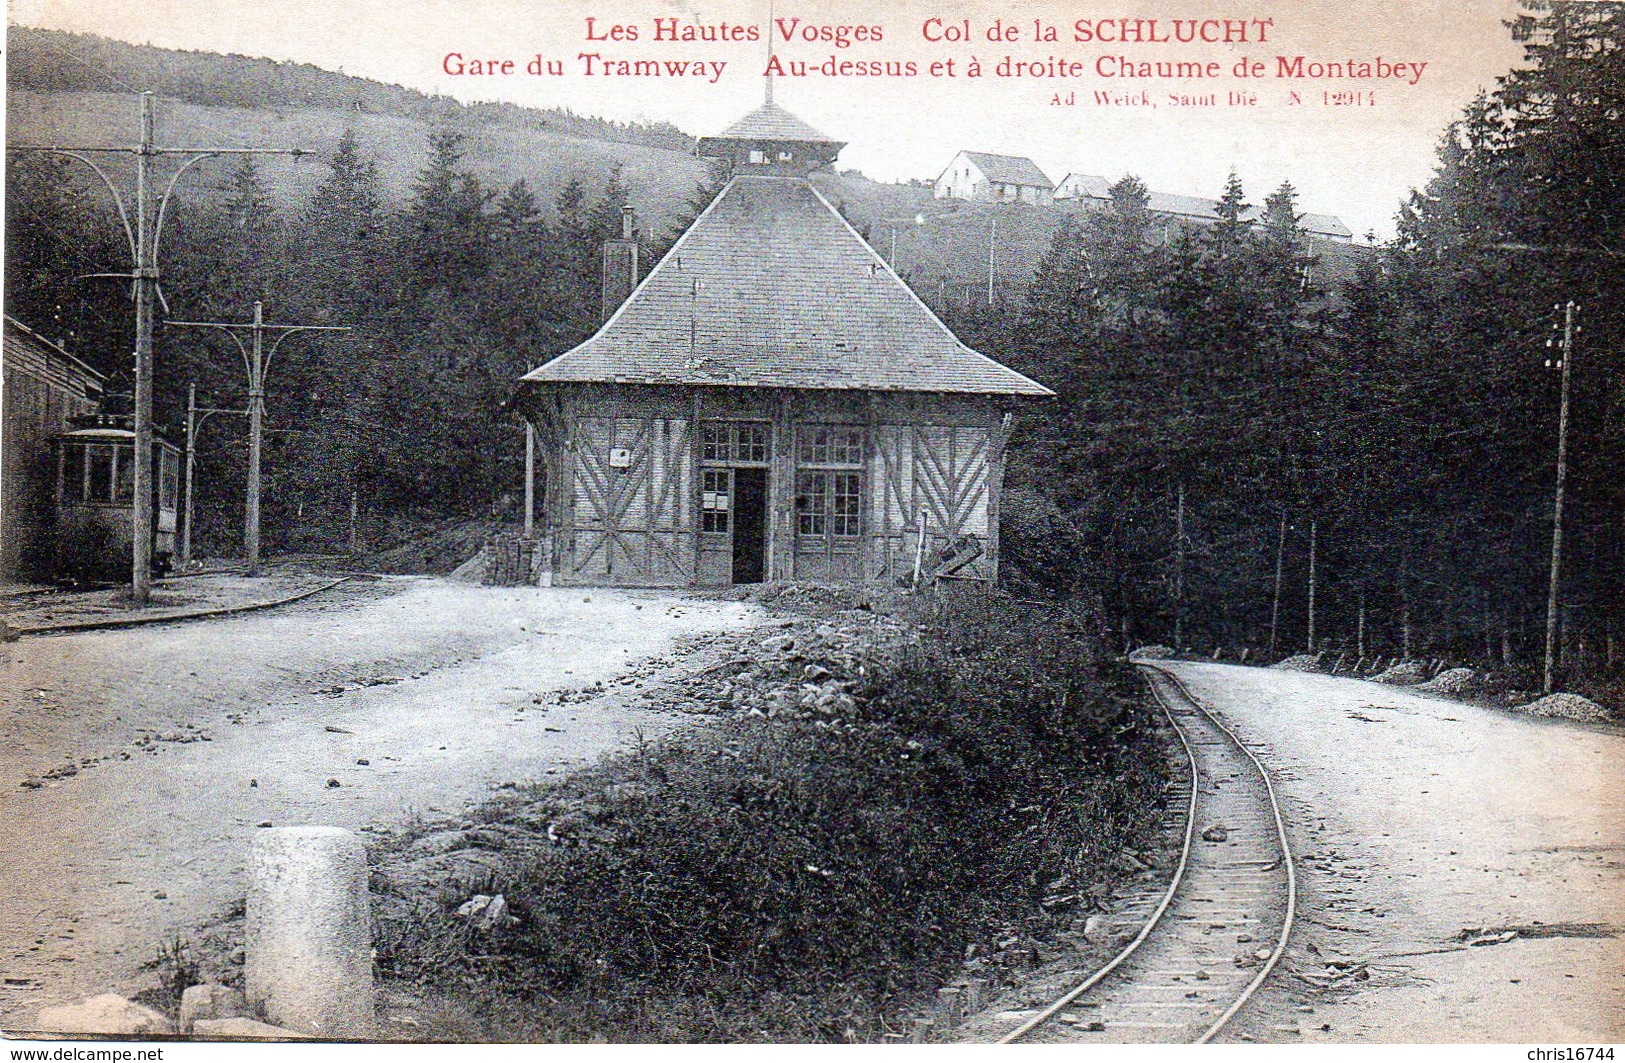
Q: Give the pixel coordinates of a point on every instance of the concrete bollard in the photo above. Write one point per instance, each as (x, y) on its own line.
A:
(308, 949)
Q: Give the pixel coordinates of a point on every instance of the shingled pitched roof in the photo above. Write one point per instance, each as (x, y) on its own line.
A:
(1009, 169)
(772, 122)
(770, 287)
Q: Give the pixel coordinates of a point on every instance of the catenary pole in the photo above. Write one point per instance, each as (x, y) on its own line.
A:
(257, 360)
(1275, 607)
(196, 417)
(256, 424)
(1179, 567)
(1314, 530)
(992, 236)
(146, 283)
(143, 236)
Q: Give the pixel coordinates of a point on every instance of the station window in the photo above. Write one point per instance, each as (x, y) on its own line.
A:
(830, 444)
(715, 489)
(812, 503)
(829, 503)
(846, 505)
(734, 442)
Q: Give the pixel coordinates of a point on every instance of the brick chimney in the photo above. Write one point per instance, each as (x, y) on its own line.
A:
(620, 265)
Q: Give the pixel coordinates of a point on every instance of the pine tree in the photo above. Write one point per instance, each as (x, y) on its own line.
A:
(446, 220)
(1232, 229)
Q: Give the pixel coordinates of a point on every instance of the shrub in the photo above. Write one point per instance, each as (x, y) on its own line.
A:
(1042, 551)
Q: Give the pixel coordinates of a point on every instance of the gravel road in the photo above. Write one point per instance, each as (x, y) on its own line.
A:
(1424, 825)
(410, 693)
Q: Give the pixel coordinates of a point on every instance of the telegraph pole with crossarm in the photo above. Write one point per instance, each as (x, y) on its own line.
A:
(143, 235)
(1565, 361)
(256, 359)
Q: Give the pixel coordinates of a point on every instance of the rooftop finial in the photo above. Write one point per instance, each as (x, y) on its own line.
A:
(769, 95)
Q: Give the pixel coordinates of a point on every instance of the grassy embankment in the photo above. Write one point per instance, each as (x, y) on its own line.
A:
(887, 787)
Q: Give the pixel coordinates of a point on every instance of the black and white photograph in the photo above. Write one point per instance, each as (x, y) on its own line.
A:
(929, 522)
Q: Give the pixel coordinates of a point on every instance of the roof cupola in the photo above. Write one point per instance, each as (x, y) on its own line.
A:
(770, 140)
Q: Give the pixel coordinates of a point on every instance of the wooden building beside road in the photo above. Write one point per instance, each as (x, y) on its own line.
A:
(770, 403)
(43, 390)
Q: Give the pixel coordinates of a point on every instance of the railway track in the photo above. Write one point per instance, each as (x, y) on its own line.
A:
(1221, 926)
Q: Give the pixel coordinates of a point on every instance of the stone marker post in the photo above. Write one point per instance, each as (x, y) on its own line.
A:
(308, 948)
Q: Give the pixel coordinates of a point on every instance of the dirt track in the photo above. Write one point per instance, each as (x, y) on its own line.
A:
(1415, 819)
(184, 738)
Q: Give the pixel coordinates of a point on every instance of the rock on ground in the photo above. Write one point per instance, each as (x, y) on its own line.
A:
(1451, 681)
(241, 1029)
(205, 1002)
(1152, 653)
(108, 1013)
(1303, 662)
(1402, 674)
(1567, 706)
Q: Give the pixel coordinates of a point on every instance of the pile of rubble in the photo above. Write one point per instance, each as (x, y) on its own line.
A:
(798, 667)
(1303, 662)
(1566, 706)
(1402, 673)
(1452, 681)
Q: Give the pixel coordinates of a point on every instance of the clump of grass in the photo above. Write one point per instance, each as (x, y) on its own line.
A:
(178, 968)
(808, 875)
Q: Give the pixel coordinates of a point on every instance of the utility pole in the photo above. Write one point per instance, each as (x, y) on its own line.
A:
(355, 522)
(257, 360)
(1179, 566)
(1275, 608)
(1313, 535)
(1569, 309)
(1359, 635)
(194, 425)
(992, 235)
(530, 480)
(143, 244)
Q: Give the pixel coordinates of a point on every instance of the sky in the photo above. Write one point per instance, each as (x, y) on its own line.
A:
(1355, 155)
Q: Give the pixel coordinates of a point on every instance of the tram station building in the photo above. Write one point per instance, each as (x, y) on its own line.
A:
(770, 403)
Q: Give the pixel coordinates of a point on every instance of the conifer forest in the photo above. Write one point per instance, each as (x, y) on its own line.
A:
(1248, 448)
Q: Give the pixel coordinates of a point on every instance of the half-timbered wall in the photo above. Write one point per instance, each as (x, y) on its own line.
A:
(635, 497)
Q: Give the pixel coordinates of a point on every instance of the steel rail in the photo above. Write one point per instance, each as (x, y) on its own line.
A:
(1286, 860)
(1167, 898)
(1152, 924)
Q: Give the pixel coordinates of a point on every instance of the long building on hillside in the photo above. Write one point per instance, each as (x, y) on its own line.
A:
(1089, 191)
(770, 403)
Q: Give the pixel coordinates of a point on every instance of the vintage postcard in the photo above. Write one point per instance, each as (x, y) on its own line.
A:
(801, 521)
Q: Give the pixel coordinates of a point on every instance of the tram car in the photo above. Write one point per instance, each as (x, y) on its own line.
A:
(95, 499)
